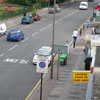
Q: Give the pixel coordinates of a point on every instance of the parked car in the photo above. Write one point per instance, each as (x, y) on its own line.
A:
(15, 35)
(36, 17)
(83, 6)
(44, 51)
(51, 10)
(3, 29)
(27, 19)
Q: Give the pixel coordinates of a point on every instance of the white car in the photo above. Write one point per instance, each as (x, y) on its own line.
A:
(83, 5)
(44, 51)
(3, 29)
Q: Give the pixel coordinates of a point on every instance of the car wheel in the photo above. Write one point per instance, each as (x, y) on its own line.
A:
(23, 37)
(0, 34)
(7, 40)
(4, 33)
(19, 40)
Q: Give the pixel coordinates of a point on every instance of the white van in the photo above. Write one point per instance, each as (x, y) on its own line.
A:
(83, 5)
(3, 29)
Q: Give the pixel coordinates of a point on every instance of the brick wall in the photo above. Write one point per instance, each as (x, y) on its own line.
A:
(3, 1)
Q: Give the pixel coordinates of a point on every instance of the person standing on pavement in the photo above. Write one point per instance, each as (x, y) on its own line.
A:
(93, 31)
(75, 34)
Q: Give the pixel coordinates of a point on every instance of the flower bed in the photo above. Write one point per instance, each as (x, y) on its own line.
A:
(10, 8)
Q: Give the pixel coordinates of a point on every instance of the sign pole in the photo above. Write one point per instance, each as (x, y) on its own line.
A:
(58, 68)
(41, 87)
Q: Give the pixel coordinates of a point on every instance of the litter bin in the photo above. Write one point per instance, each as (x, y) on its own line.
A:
(88, 61)
(63, 59)
(94, 15)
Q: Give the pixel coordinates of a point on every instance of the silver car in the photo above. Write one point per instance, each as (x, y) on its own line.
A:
(51, 10)
(44, 51)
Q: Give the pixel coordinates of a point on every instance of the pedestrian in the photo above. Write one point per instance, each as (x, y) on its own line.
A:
(80, 31)
(93, 31)
(75, 34)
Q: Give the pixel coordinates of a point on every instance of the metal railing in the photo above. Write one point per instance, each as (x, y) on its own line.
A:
(9, 14)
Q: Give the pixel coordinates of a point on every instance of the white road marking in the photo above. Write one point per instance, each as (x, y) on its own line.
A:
(34, 33)
(20, 61)
(25, 40)
(2, 55)
(42, 29)
(56, 21)
(23, 61)
(65, 16)
(60, 19)
(11, 60)
(73, 12)
(69, 15)
(43, 14)
(13, 47)
(49, 25)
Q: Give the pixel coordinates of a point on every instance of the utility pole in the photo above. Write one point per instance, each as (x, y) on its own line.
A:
(25, 8)
(53, 39)
(48, 5)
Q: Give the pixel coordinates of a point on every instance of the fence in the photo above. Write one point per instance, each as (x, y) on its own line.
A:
(9, 14)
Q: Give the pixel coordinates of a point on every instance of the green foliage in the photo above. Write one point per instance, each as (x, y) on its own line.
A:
(33, 12)
(21, 2)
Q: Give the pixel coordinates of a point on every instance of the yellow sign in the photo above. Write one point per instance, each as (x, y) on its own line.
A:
(80, 76)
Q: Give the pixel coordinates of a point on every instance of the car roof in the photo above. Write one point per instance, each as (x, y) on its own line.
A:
(15, 30)
(26, 16)
(47, 48)
(83, 2)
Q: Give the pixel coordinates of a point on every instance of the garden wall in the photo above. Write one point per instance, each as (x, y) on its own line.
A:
(3, 1)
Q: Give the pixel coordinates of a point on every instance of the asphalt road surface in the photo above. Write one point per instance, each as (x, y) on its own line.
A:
(17, 73)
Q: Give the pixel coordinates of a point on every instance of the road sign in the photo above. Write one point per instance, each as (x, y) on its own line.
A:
(61, 49)
(42, 64)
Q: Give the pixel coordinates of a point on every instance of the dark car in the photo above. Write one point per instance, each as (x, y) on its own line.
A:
(15, 35)
(27, 19)
(36, 17)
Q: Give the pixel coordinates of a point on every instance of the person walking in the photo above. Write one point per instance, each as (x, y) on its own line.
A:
(75, 34)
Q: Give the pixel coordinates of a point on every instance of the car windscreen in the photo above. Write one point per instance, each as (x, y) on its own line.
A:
(33, 15)
(83, 4)
(43, 52)
(12, 33)
(24, 18)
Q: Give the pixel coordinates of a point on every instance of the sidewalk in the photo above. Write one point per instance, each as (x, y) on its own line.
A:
(64, 89)
(17, 20)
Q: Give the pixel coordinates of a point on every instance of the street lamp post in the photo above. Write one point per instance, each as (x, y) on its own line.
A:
(93, 9)
(48, 5)
(53, 39)
(25, 8)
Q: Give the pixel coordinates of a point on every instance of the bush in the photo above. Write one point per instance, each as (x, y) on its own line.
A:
(21, 2)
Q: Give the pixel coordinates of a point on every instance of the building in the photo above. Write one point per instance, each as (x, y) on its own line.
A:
(3, 1)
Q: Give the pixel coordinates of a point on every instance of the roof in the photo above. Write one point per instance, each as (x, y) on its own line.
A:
(26, 16)
(14, 30)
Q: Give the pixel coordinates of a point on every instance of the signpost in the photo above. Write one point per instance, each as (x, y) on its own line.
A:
(60, 49)
(42, 67)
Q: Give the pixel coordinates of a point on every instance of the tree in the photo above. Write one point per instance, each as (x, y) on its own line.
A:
(21, 2)
(35, 3)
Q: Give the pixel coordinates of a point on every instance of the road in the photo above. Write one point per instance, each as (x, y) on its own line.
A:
(17, 73)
